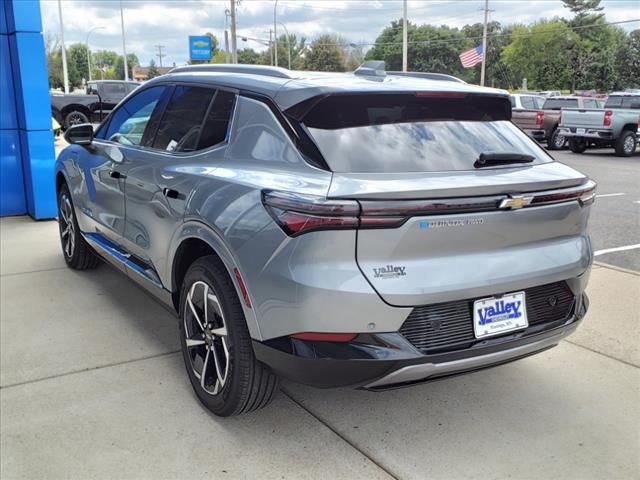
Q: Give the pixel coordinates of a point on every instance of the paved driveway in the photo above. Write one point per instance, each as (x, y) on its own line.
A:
(92, 386)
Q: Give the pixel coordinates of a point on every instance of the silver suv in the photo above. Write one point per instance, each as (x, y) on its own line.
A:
(359, 229)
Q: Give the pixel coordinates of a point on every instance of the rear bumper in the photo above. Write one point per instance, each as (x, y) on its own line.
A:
(538, 135)
(383, 361)
(591, 133)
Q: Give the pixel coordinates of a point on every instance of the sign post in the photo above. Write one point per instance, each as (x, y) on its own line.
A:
(200, 47)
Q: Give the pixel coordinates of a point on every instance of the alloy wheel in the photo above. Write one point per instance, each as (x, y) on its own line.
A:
(629, 144)
(67, 227)
(558, 141)
(75, 119)
(206, 338)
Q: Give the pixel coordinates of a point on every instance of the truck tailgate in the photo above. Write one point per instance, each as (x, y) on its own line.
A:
(580, 117)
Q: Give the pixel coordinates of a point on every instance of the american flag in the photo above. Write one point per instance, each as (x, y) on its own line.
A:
(472, 57)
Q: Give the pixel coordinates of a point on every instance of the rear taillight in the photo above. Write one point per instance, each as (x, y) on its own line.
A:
(607, 118)
(585, 195)
(539, 119)
(297, 214)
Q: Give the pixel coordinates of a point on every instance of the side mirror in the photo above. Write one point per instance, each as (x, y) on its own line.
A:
(79, 134)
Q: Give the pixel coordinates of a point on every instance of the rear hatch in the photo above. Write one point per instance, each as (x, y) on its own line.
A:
(440, 179)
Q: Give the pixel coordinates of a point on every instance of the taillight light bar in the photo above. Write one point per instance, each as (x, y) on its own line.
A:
(297, 214)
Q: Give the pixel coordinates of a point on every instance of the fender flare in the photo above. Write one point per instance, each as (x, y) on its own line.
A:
(193, 229)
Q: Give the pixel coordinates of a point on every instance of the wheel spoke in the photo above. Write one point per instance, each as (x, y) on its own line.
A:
(221, 378)
(204, 370)
(194, 342)
(193, 308)
(205, 295)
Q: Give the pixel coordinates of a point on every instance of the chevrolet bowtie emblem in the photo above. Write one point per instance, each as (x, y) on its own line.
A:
(516, 201)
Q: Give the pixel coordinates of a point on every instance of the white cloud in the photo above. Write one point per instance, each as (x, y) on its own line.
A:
(169, 23)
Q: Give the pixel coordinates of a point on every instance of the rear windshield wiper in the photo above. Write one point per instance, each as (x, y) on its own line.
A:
(503, 158)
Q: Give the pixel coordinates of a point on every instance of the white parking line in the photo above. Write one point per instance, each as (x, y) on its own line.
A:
(616, 249)
(610, 195)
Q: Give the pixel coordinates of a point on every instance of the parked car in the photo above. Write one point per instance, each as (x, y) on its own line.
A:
(542, 123)
(101, 97)
(429, 76)
(550, 93)
(521, 101)
(614, 126)
(332, 229)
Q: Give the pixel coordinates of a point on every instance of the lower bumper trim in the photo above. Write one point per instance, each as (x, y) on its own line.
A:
(424, 371)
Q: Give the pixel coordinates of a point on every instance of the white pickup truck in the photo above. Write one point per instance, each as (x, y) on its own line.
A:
(615, 125)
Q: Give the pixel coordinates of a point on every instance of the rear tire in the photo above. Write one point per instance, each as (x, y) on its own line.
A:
(75, 118)
(625, 145)
(577, 145)
(556, 141)
(77, 252)
(216, 345)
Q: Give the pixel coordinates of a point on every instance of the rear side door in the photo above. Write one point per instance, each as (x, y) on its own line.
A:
(189, 137)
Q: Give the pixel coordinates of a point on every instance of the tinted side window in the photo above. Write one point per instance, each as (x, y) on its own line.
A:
(589, 103)
(216, 125)
(527, 102)
(113, 90)
(179, 129)
(130, 120)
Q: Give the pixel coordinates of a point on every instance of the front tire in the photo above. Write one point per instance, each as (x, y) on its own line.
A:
(625, 145)
(216, 345)
(77, 252)
(577, 145)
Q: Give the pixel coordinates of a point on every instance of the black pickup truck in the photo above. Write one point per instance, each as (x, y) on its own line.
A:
(101, 97)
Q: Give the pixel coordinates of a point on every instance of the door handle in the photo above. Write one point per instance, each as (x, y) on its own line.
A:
(116, 174)
(171, 193)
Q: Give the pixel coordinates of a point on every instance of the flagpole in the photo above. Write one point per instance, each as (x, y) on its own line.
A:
(484, 42)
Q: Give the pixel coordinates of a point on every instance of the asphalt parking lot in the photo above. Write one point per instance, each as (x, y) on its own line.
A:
(92, 386)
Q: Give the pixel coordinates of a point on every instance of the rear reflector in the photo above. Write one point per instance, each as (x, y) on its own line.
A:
(243, 288)
(324, 337)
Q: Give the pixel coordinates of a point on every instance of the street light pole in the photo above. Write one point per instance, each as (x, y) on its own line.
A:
(275, 32)
(65, 72)
(484, 42)
(404, 37)
(88, 50)
(124, 49)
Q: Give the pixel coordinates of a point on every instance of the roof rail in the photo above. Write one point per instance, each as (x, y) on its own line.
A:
(234, 68)
(372, 68)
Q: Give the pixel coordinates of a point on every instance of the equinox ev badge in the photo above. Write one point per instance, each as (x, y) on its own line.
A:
(516, 201)
(389, 272)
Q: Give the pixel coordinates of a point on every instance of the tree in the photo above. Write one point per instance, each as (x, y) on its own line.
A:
(325, 55)
(628, 61)
(152, 71)
(297, 46)
(78, 55)
(430, 49)
(132, 60)
(248, 56)
(583, 7)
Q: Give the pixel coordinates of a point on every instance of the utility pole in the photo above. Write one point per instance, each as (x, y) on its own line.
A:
(124, 48)
(275, 33)
(234, 45)
(404, 37)
(65, 72)
(160, 54)
(484, 42)
(89, 50)
(226, 47)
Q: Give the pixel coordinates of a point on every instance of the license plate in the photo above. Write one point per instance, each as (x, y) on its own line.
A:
(580, 130)
(497, 315)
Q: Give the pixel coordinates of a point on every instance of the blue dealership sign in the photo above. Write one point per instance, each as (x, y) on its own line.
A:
(200, 47)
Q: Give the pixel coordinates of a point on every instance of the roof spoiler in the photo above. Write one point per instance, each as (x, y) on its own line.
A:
(372, 68)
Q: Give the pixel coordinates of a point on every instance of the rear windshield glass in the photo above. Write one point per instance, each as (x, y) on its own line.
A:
(558, 103)
(623, 102)
(424, 135)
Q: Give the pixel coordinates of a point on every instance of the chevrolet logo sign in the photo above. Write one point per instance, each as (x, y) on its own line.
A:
(516, 201)
(200, 43)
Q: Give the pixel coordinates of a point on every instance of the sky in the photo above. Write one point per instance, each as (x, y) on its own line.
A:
(149, 23)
